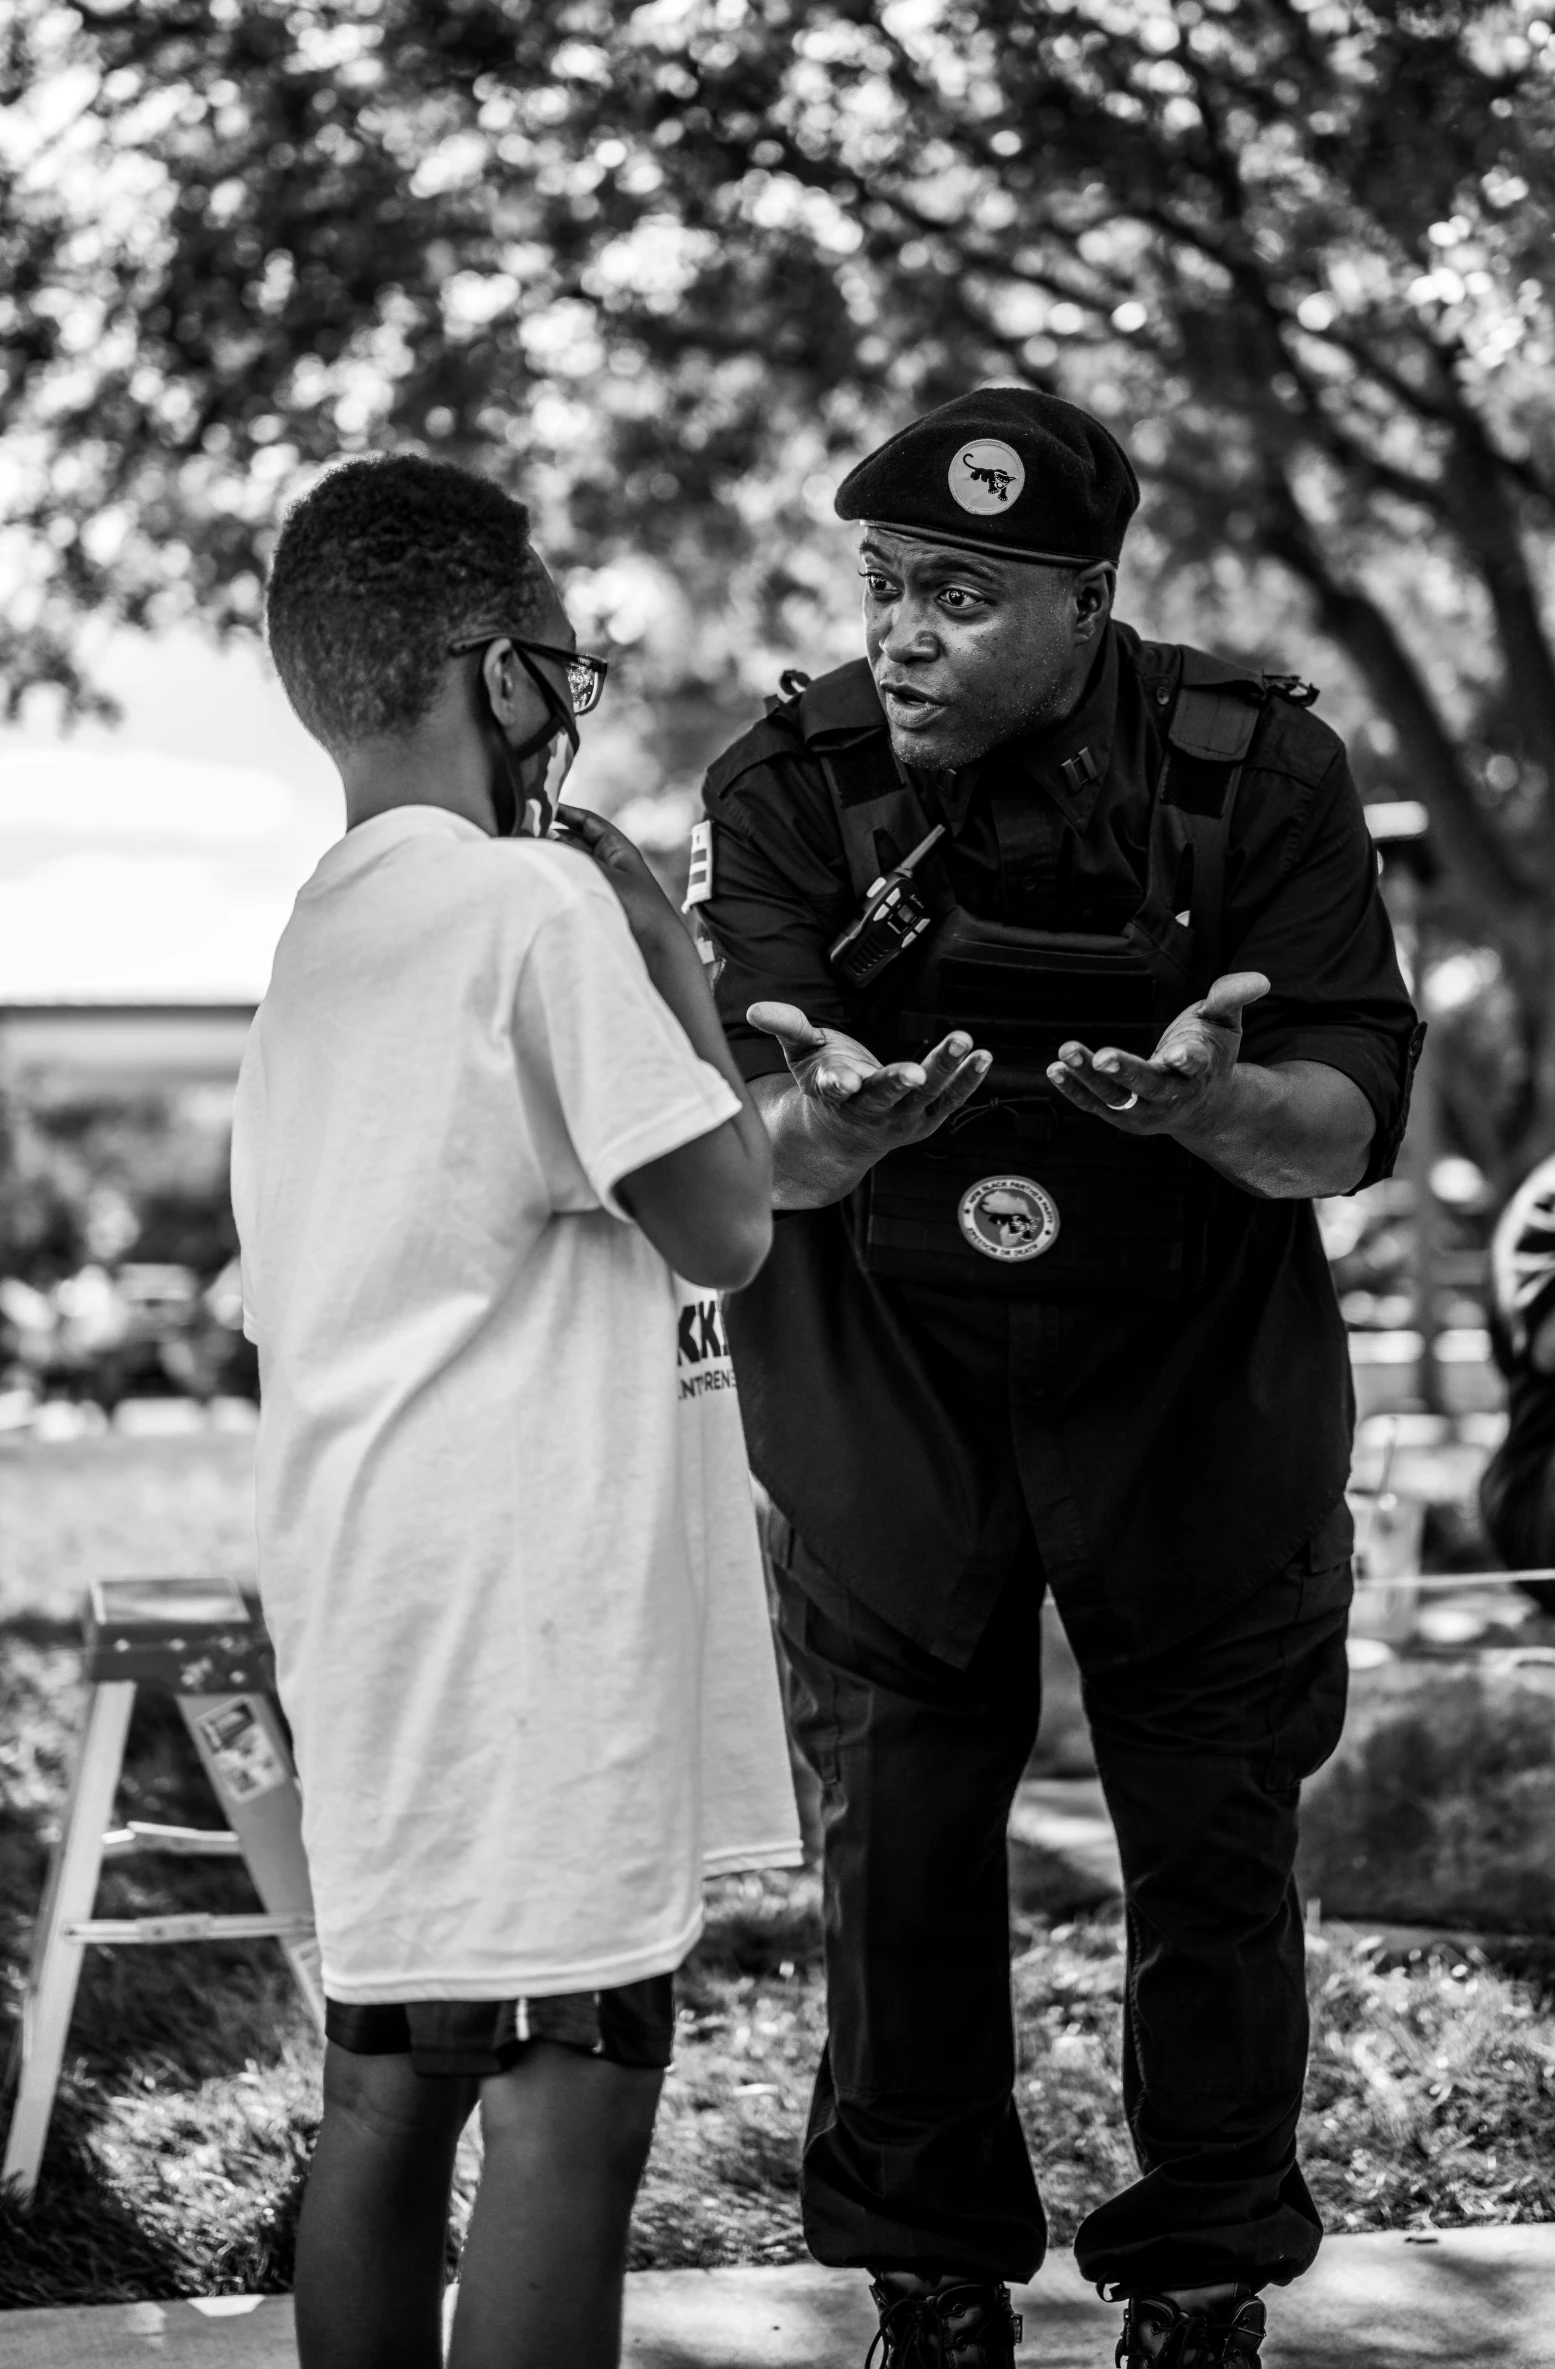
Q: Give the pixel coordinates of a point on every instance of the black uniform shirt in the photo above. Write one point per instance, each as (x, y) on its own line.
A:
(1167, 1459)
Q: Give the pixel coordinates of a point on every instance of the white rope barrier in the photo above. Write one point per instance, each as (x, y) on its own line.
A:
(1452, 1580)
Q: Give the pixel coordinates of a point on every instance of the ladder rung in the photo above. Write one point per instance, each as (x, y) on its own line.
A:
(184, 1842)
(198, 1926)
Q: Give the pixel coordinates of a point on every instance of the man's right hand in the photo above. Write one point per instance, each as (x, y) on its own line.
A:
(854, 1108)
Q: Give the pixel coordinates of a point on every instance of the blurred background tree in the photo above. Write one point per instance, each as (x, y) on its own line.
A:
(99, 1179)
(672, 267)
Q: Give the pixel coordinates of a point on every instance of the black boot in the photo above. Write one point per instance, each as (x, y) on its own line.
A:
(942, 2323)
(1160, 2334)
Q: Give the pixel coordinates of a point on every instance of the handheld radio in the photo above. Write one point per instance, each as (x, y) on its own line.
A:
(893, 916)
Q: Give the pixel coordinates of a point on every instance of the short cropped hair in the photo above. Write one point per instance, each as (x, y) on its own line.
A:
(377, 569)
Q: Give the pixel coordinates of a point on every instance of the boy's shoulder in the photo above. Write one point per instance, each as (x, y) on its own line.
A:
(567, 872)
(534, 880)
(494, 898)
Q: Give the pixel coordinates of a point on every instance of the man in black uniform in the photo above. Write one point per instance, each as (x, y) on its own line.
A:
(1048, 1308)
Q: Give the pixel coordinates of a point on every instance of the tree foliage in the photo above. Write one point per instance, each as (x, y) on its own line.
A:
(674, 265)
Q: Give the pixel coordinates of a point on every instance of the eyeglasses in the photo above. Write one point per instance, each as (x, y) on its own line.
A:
(585, 675)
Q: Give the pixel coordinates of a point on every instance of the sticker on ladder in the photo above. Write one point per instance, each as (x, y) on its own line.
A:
(246, 1759)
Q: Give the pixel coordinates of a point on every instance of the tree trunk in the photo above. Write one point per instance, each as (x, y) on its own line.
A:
(1537, 1137)
(1483, 516)
(1515, 913)
(1353, 619)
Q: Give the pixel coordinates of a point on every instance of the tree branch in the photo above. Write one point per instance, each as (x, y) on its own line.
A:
(1355, 622)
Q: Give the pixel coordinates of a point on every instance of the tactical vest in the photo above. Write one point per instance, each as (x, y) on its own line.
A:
(1020, 1194)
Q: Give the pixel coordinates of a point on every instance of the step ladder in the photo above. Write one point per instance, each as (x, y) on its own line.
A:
(196, 1639)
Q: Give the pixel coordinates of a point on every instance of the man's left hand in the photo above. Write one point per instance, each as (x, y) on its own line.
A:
(1176, 1090)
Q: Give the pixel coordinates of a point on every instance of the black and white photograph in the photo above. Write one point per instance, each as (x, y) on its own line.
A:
(777, 1184)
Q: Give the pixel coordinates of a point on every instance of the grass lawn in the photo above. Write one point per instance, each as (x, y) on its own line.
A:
(108, 1507)
(191, 2082)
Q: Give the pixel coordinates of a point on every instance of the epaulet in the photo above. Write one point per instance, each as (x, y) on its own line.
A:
(1224, 708)
(774, 736)
(1292, 740)
(841, 704)
(837, 706)
(1201, 670)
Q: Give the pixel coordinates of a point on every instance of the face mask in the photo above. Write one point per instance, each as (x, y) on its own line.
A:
(538, 820)
(532, 814)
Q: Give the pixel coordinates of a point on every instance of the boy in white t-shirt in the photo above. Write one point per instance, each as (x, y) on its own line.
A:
(486, 1109)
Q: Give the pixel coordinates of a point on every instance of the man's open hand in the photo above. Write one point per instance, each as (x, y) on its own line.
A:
(888, 1103)
(1175, 1091)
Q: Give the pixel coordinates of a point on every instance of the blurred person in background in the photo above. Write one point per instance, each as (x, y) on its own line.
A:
(1057, 962)
(1517, 1492)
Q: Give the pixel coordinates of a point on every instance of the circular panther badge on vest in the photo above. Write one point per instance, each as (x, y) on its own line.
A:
(986, 476)
(1009, 1217)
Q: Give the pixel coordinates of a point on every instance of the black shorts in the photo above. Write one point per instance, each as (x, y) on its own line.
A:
(631, 2025)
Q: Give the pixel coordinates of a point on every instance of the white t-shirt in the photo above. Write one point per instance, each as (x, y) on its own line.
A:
(472, 1509)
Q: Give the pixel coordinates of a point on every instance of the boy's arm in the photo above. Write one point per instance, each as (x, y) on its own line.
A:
(706, 1207)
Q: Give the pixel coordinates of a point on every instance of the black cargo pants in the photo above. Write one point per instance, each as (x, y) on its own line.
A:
(914, 2157)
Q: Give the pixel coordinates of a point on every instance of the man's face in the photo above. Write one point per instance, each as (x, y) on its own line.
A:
(968, 651)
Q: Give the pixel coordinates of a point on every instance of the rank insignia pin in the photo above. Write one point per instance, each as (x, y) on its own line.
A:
(699, 881)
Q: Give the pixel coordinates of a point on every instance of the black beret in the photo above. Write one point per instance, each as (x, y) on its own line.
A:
(1006, 470)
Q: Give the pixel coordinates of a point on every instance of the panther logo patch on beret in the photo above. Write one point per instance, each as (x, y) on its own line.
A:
(986, 476)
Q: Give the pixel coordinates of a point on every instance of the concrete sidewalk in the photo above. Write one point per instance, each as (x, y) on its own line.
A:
(1467, 2297)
